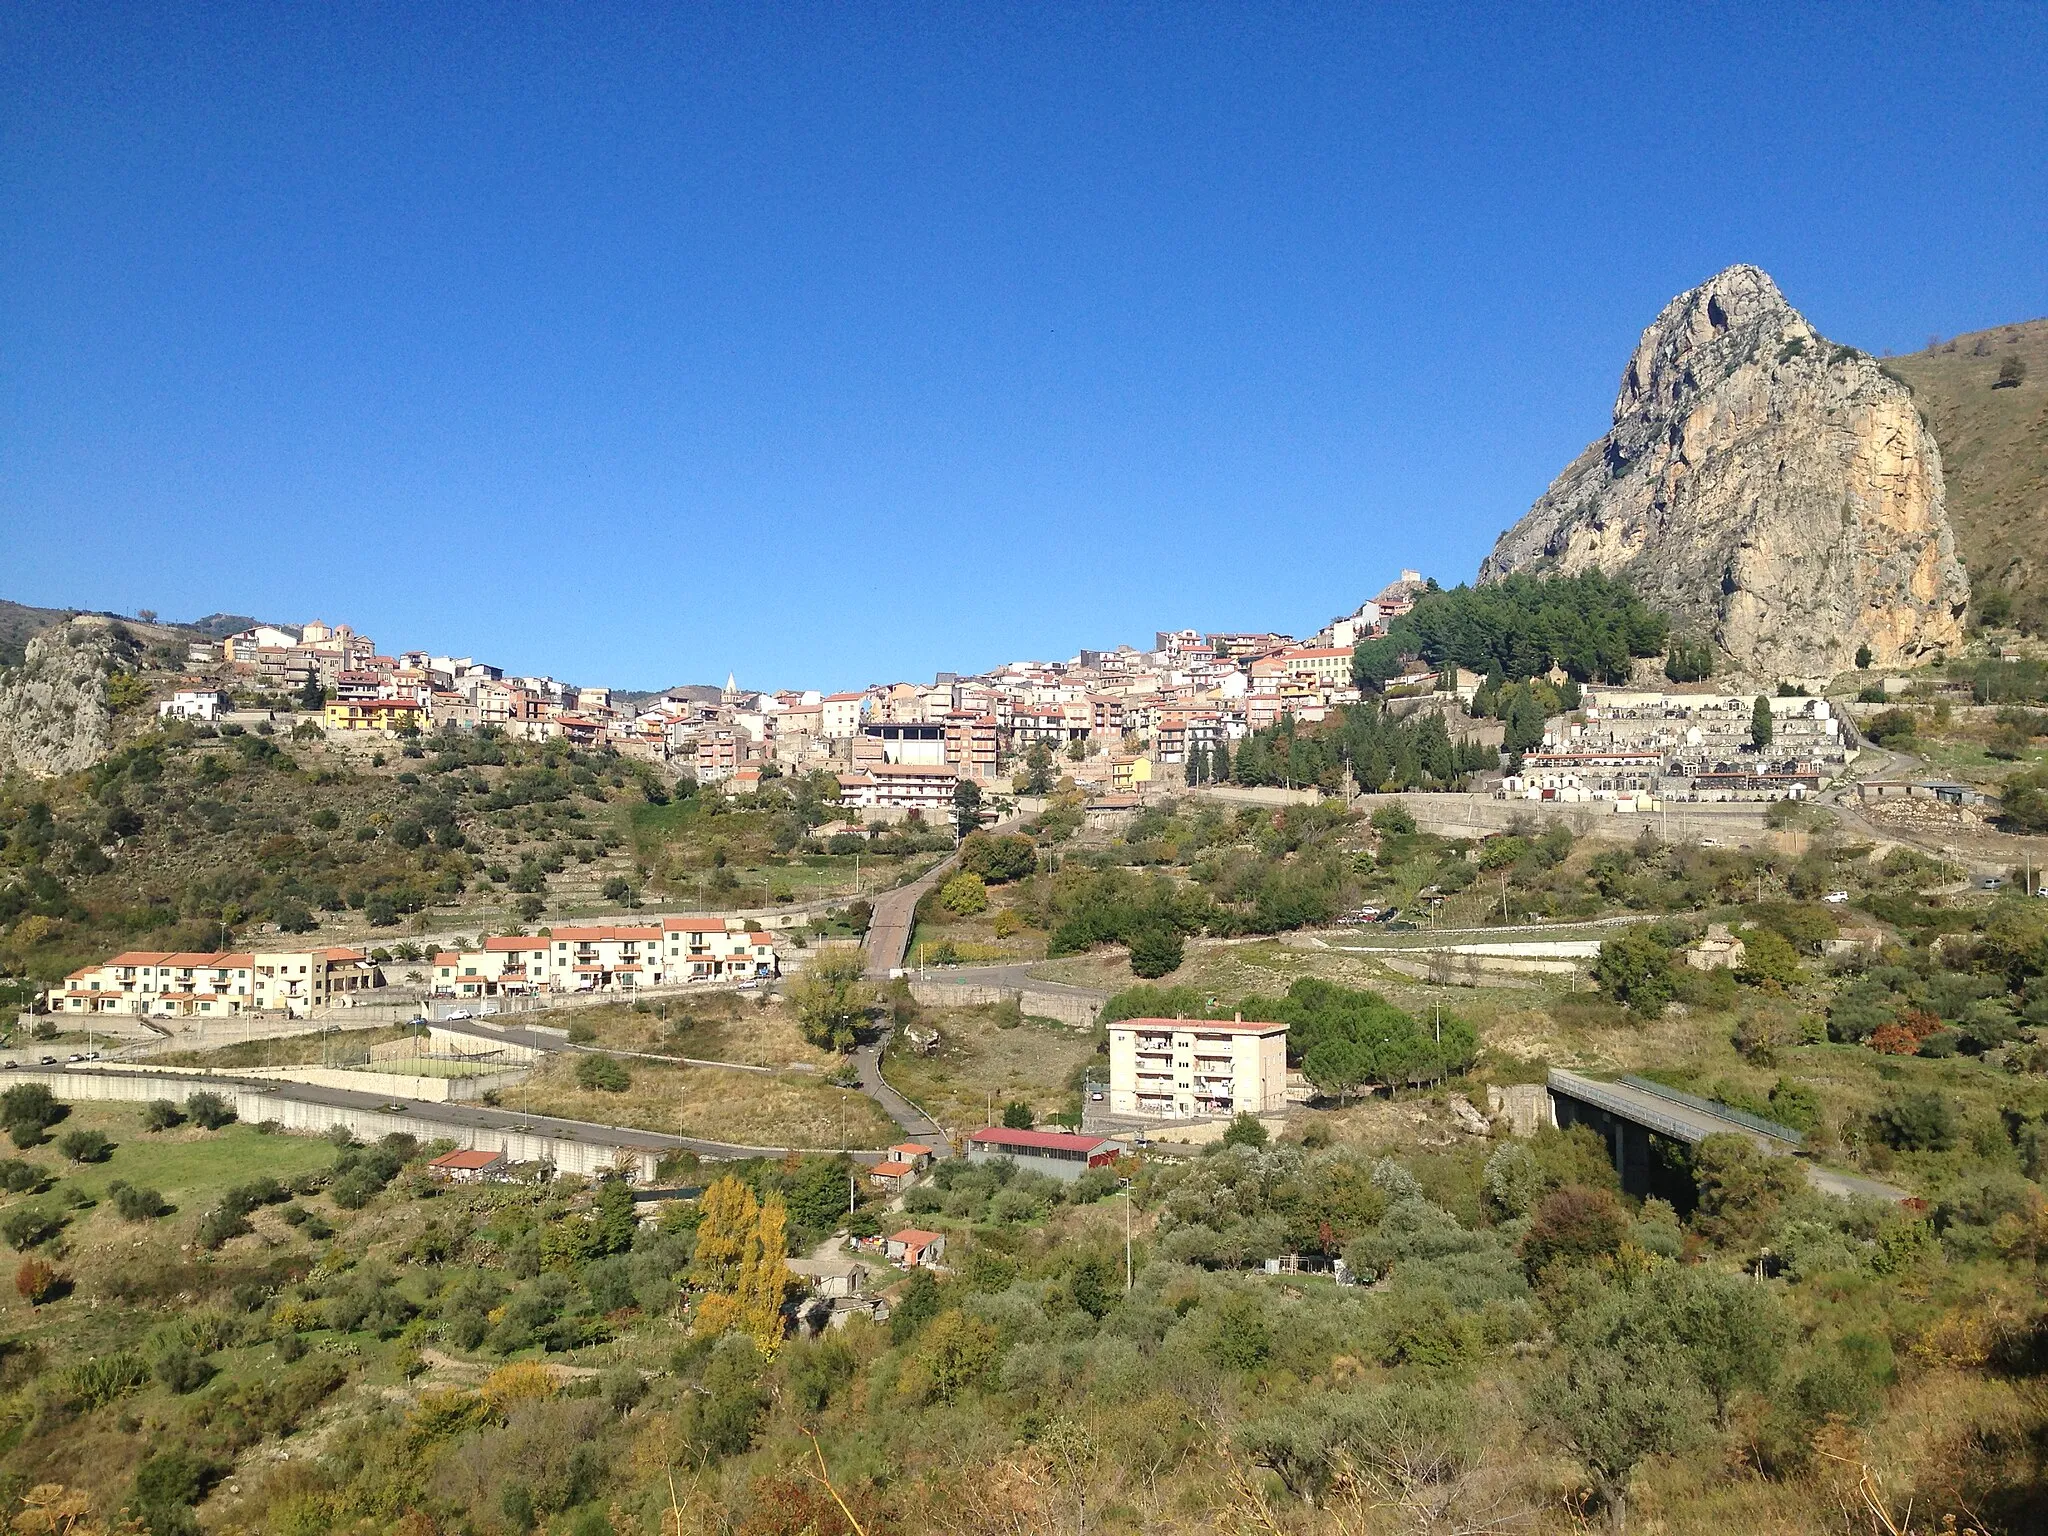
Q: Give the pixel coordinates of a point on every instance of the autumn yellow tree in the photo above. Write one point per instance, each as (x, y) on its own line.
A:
(739, 1264)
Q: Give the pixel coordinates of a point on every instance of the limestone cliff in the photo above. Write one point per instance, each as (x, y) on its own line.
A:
(1767, 488)
(53, 707)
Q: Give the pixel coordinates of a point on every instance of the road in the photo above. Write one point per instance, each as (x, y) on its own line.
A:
(895, 915)
(917, 1125)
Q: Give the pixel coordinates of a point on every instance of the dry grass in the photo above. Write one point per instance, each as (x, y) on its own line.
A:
(980, 1065)
(749, 1028)
(750, 1108)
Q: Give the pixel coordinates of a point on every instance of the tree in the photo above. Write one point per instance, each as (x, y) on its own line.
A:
(1740, 1187)
(964, 895)
(1635, 970)
(966, 806)
(1374, 663)
(1760, 723)
(2012, 372)
(1733, 1330)
(84, 1146)
(1037, 769)
(738, 1263)
(1767, 956)
(1627, 1392)
(998, 859)
(1244, 1130)
(1863, 658)
(1916, 1121)
(209, 1111)
(312, 696)
(832, 997)
(1573, 1225)
(1017, 1115)
(1156, 950)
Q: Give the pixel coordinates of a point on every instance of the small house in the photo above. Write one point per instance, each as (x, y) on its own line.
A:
(914, 1248)
(892, 1175)
(467, 1166)
(828, 1277)
(1057, 1154)
(914, 1153)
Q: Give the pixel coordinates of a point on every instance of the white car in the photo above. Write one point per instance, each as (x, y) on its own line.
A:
(456, 1013)
(1835, 898)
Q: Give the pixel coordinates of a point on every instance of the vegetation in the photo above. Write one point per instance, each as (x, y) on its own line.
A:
(1590, 626)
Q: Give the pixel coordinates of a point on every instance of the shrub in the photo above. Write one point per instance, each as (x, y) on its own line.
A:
(30, 1227)
(210, 1111)
(30, 1104)
(1244, 1130)
(25, 1134)
(1573, 1225)
(136, 1204)
(604, 1073)
(162, 1115)
(1916, 1122)
(36, 1281)
(1156, 950)
(964, 895)
(1635, 970)
(85, 1146)
(20, 1177)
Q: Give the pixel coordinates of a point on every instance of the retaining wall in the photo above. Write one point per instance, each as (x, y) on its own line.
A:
(1065, 1007)
(591, 1152)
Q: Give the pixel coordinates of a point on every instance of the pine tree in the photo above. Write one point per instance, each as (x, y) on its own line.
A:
(1760, 723)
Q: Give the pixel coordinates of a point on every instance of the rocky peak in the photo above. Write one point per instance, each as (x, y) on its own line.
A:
(1773, 492)
(53, 707)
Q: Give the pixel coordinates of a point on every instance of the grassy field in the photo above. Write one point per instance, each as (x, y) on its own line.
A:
(289, 1050)
(187, 1165)
(752, 1029)
(986, 1058)
(750, 1108)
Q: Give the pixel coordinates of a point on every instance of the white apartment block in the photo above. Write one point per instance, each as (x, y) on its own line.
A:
(194, 704)
(160, 984)
(1184, 1068)
(922, 787)
(612, 957)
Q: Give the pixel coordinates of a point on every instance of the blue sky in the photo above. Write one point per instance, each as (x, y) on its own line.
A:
(841, 343)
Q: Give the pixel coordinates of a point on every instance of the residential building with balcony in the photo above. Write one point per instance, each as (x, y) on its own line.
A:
(387, 715)
(1188, 1068)
(158, 984)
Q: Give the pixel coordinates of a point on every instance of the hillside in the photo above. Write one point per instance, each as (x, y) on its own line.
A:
(1994, 449)
(19, 622)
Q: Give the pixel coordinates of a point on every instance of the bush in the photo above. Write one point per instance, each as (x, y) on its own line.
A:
(1395, 820)
(30, 1104)
(36, 1281)
(1156, 951)
(1635, 970)
(25, 1134)
(604, 1073)
(85, 1146)
(162, 1115)
(19, 1177)
(1574, 1225)
(1916, 1122)
(30, 1227)
(210, 1111)
(964, 895)
(1244, 1130)
(136, 1204)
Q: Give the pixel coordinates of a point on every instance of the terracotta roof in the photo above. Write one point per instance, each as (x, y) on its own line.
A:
(915, 1237)
(470, 1158)
(891, 1169)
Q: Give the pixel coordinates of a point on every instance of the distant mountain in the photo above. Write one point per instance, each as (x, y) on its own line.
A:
(1994, 453)
(1771, 490)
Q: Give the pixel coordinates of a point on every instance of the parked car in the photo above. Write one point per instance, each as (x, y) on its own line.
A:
(457, 1013)
(1835, 898)
(76, 1056)
(49, 1061)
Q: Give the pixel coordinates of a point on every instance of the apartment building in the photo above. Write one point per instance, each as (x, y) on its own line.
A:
(386, 715)
(839, 715)
(162, 984)
(923, 787)
(972, 745)
(607, 958)
(1185, 1068)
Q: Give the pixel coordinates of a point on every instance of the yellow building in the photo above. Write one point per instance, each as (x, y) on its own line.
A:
(1130, 773)
(388, 715)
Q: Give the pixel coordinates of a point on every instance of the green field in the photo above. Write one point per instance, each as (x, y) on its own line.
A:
(187, 1165)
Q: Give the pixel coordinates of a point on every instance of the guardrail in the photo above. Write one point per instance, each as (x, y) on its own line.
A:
(1715, 1107)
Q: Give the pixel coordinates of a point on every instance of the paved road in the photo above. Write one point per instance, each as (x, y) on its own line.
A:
(895, 915)
(917, 1125)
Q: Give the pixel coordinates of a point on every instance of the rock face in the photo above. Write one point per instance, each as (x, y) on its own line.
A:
(53, 707)
(1768, 489)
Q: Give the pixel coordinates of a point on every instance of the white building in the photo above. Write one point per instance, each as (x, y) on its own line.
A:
(195, 704)
(1182, 1068)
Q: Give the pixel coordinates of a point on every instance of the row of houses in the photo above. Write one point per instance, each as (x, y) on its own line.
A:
(160, 984)
(611, 957)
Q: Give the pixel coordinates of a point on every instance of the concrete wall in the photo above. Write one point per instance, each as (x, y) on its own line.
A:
(587, 1155)
(1063, 1006)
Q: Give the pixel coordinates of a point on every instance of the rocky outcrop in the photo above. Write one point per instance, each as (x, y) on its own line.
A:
(53, 707)
(1768, 489)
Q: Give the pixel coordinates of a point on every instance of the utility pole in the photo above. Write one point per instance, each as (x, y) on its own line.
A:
(1127, 1241)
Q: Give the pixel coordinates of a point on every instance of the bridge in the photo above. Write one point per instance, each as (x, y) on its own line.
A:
(1645, 1123)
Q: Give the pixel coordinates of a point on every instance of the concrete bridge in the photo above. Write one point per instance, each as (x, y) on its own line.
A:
(1643, 1123)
